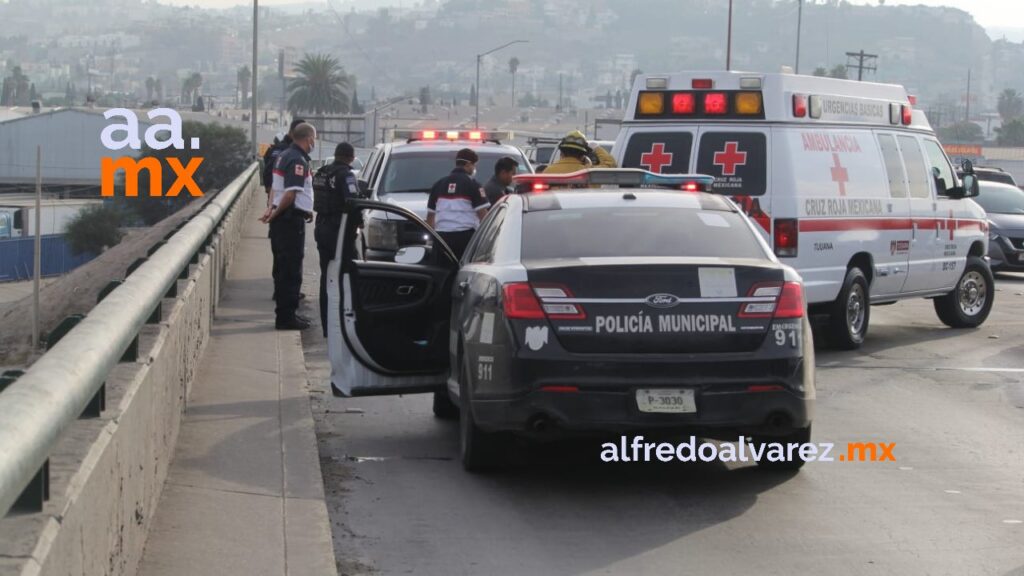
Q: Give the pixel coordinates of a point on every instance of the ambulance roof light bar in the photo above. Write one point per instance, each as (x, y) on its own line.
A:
(613, 178)
(495, 136)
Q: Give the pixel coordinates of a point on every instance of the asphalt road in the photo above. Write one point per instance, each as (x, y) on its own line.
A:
(951, 503)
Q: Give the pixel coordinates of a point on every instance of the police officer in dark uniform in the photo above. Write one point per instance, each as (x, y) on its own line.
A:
(457, 203)
(332, 185)
(269, 160)
(291, 208)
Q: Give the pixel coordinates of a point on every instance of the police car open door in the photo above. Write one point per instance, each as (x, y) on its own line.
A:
(389, 292)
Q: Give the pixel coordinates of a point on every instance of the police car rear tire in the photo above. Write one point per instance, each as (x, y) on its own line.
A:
(479, 451)
(801, 436)
(969, 304)
(444, 408)
(851, 312)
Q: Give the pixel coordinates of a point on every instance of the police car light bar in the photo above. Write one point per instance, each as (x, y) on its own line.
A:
(613, 178)
(453, 135)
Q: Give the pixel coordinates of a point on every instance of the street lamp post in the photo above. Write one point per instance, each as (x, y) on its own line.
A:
(480, 57)
(252, 111)
(799, 22)
(728, 41)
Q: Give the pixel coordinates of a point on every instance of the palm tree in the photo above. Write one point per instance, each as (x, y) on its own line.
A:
(190, 88)
(1010, 105)
(321, 87)
(513, 67)
(244, 79)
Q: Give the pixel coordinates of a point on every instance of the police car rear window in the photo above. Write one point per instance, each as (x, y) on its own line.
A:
(418, 172)
(737, 160)
(636, 232)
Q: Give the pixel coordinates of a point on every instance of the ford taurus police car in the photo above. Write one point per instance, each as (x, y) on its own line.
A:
(846, 181)
(627, 301)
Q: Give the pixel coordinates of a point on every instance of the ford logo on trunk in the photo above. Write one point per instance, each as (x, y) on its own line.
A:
(662, 301)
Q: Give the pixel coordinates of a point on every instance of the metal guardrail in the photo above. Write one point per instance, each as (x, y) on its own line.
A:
(38, 406)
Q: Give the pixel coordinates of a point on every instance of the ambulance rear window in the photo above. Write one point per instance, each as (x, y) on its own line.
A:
(737, 160)
(659, 152)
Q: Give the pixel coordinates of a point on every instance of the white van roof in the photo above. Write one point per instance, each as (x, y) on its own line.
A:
(714, 96)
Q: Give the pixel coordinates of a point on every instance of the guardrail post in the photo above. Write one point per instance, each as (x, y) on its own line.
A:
(8, 378)
(97, 405)
(62, 329)
(36, 493)
(107, 290)
(135, 265)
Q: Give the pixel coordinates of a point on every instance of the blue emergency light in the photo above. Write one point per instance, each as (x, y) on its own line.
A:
(613, 178)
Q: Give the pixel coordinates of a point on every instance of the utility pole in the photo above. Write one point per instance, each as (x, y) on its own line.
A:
(799, 22)
(863, 62)
(252, 102)
(559, 108)
(37, 257)
(284, 89)
(728, 42)
(968, 115)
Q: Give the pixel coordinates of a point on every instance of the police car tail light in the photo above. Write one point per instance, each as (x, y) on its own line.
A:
(786, 237)
(558, 310)
(748, 103)
(651, 103)
(791, 301)
(683, 103)
(716, 104)
(520, 302)
(702, 83)
(799, 106)
(761, 309)
(428, 135)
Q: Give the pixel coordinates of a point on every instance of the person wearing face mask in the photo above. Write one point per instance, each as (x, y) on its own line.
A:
(291, 209)
(458, 203)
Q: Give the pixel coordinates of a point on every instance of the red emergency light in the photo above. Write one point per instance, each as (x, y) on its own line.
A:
(716, 103)
(702, 83)
(683, 103)
(799, 106)
(598, 178)
(908, 115)
(452, 135)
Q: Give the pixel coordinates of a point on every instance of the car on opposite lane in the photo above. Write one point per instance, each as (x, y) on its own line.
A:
(609, 308)
(1004, 205)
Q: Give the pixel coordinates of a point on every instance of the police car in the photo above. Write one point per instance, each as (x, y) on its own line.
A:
(598, 301)
(402, 173)
(846, 181)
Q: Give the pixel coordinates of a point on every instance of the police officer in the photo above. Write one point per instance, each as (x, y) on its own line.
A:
(504, 169)
(457, 203)
(332, 185)
(291, 208)
(576, 154)
(269, 160)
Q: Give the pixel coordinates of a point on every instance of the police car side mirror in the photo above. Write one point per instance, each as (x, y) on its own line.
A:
(411, 254)
(364, 189)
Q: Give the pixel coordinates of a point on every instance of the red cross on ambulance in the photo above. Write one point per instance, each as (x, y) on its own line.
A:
(730, 158)
(656, 158)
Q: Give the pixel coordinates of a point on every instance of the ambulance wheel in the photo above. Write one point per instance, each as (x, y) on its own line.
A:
(969, 304)
(444, 408)
(851, 312)
(479, 451)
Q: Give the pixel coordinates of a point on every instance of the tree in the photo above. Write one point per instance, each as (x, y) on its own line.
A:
(1010, 105)
(321, 87)
(94, 229)
(150, 88)
(820, 71)
(16, 88)
(356, 107)
(1011, 133)
(244, 78)
(961, 132)
(513, 67)
(190, 88)
(839, 71)
(159, 87)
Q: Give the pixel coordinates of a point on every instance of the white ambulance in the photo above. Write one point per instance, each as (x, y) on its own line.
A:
(847, 181)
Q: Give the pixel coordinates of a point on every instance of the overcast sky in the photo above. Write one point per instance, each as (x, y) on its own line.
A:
(989, 13)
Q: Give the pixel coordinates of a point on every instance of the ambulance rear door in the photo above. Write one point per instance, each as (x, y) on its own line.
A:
(660, 149)
(737, 156)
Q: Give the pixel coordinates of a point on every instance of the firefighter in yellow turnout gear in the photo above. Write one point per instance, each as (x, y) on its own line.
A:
(577, 155)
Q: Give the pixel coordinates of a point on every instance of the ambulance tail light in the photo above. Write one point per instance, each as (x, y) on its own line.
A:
(799, 106)
(683, 103)
(702, 83)
(908, 115)
(716, 104)
(791, 301)
(786, 237)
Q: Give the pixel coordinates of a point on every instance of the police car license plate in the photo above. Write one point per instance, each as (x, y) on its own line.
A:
(667, 400)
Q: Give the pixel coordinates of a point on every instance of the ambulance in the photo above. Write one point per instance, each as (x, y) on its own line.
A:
(845, 179)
